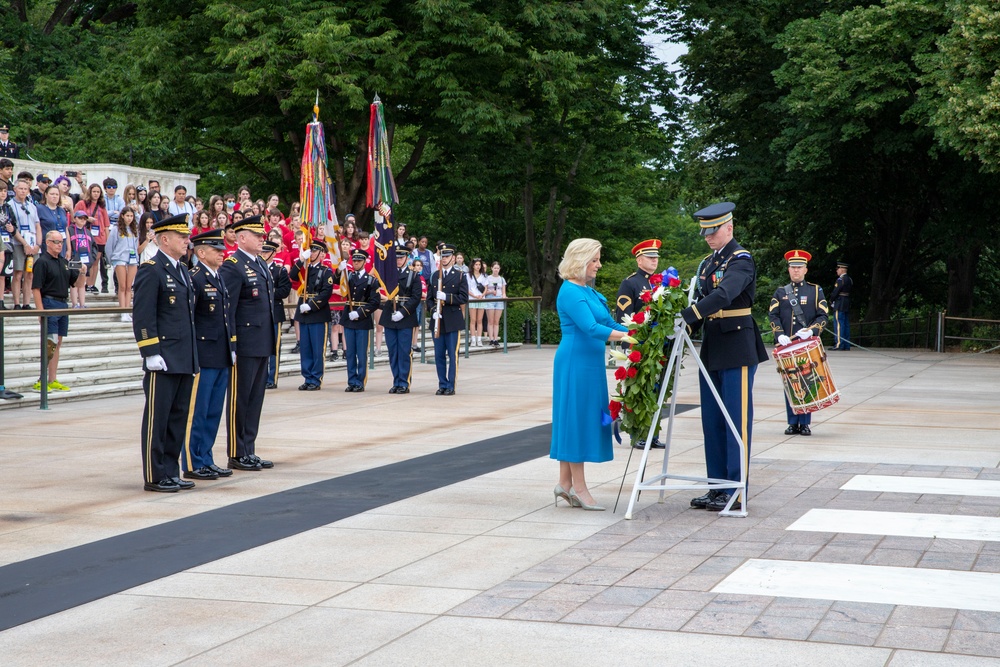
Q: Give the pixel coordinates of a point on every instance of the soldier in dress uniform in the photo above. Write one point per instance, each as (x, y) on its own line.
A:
(447, 292)
(363, 301)
(647, 256)
(399, 318)
(731, 348)
(797, 310)
(7, 147)
(216, 340)
(313, 313)
(282, 288)
(840, 300)
(163, 324)
(252, 291)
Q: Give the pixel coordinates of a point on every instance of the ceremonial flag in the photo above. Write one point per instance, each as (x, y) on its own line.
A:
(381, 195)
(316, 193)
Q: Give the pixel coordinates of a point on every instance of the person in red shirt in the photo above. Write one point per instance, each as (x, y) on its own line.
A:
(230, 239)
(202, 223)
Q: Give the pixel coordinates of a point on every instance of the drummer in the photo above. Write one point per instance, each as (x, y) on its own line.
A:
(797, 311)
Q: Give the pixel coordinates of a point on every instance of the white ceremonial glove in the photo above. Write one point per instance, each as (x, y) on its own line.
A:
(436, 315)
(804, 334)
(353, 315)
(304, 255)
(784, 340)
(342, 266)
(234, 357)
(397, 316)
(305, 308)
(441, 296)
(155, 363)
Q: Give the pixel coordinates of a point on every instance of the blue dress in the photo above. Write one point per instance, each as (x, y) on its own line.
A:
(580, 377)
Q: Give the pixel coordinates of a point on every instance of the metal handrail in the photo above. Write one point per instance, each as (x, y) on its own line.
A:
(505, 300)
(43, 321)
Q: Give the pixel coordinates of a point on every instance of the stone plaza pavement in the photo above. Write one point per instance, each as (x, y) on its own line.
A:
(874, 542)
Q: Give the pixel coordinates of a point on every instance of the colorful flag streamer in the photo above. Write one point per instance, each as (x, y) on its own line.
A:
(316, 192)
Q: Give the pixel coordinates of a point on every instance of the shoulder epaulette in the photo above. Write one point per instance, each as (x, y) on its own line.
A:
(149, 261)
(231, 259)
(741, 253)
(195, 270)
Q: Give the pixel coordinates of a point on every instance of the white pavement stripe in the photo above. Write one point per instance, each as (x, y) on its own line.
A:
(943, 526)
(918, 587)
(936, 485)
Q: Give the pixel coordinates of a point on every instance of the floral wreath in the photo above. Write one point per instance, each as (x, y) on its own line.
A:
(638, 387)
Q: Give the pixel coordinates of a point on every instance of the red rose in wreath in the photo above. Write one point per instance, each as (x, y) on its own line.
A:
(646, 297)
(632, 371)
(639, 317)
(674, 281)
(616, 408)
(620, 373)
(635, 356)
(656, 279)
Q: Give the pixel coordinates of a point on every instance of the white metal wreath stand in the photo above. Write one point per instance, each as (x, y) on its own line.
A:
(683, 342)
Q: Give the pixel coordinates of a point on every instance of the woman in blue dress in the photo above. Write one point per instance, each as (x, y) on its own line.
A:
(581, 423)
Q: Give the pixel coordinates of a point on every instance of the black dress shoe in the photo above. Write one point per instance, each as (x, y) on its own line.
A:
(449, 392)
(638, 444)
(295, 350)
(793, 429)
(349, 387)
(182, 484)
(394, 390)
(244, 463)
(271, 385)
(439, 392)
(718, 503)
(403, 390)
(201, 473)
(657, 444)
(314, 387)
(805, 430)
(359, 388)
(263, 463)
(163, 486)
(221, 472)
(701, 502)
(304, 386)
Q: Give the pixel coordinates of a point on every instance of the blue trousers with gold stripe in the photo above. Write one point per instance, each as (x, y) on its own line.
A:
(209, 402)
(356, 341)
(166, 423)
(312, 341)
(722, 451)
(446, 359)
(842, 330)
(399, 342)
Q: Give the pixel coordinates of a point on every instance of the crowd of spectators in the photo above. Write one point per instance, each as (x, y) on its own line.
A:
(107, 230)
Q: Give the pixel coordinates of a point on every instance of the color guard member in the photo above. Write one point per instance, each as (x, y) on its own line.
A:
(363, 301)
(282, 288)
(163, 324)
(313, 313)
(840, 299)
(447, 292)
(731, 348)
(647, 257)
(252, 290)
(216, 341)
(797, 310)
(399, 320)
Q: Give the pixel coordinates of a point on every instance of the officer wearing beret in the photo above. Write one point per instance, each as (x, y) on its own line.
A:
(216, 341)
(840, 299)
(252, 290)
(362, 302)
(447, 292)
(399, 318)
(282, 288)
(163, 324)
(731, 348)
(797, 310)
(647, 257)
(313, 313)
(7, 147)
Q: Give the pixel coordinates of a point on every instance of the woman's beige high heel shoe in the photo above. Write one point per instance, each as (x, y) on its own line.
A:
(560, 492)
(575, 500)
